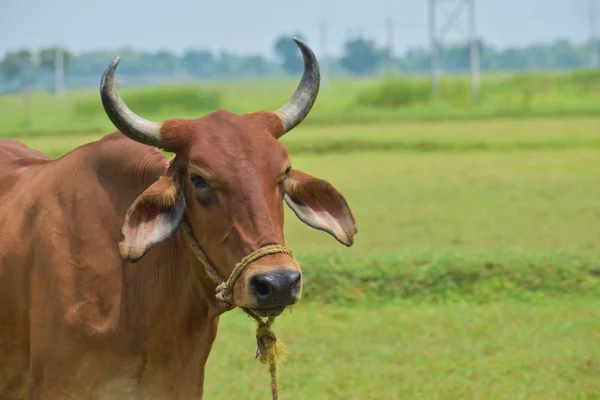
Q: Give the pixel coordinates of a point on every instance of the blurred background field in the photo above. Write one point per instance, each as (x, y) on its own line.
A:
(355, 101)
(475, 272)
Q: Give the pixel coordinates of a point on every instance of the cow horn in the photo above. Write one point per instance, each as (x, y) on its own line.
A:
(131, 125)
(299, 105)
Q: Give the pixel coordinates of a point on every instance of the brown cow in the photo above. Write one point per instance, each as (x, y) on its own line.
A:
(101, 295)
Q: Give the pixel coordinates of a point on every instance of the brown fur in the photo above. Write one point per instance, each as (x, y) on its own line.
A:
(76, 320)
(161, 194)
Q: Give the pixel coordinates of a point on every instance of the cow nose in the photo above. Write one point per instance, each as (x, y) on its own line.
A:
(276, 289)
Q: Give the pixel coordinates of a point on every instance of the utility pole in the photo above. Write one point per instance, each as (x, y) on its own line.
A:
(390, 47)
(434, 48)
(324, 55)
(58, 71)
(474, 52)
(593, 45)
(436, 36)
(25, 71)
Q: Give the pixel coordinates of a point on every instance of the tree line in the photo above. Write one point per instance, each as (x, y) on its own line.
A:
(361, 56)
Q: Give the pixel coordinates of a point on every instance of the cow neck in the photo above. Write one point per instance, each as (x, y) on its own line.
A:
(269, 348)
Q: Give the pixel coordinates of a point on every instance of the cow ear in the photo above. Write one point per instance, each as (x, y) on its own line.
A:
(152, 218)
(319, 205)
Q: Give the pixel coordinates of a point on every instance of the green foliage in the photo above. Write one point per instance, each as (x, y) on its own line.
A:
(47, 58)
(287, 50)
(396, 93)
(14, 62)
(199, 62)
(204, 64)
(435, 277)
(520, 91)
(361, 56)
(141, 67)
(456, 57)
(356, 101)
(159, 100)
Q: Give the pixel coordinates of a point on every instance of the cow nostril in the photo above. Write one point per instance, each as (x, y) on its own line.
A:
(276, 288)
(261, 288)
(295, 278)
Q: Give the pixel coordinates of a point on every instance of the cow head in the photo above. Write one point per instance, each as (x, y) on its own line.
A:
(229, 179)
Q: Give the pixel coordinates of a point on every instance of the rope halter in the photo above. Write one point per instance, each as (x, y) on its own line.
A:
(269, 348)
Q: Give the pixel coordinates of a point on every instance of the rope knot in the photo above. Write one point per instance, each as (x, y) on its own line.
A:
(224, 295)
(269, 348)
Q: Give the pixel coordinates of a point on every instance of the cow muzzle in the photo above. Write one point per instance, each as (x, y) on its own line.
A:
(275, 291)
(267, 289)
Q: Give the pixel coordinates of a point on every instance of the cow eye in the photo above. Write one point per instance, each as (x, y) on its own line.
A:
(287, 171)
(199, 182)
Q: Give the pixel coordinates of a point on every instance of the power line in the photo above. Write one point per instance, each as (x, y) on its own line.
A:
(593, 45)
(436, 37)
(390, 46)
(435, 68)
(59, 62)
(475, 65)
(324, 55)
(451, 20)
(25, 70)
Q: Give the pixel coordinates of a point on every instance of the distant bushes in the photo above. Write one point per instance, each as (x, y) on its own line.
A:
(329, 278)
(521, 90)
(585, 81)
(410, 92)
(157, 100)
(413, 92)
(396, 93)
(355, 101)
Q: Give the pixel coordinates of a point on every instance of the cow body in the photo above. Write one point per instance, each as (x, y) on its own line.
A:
(102, 295)
(76, 321)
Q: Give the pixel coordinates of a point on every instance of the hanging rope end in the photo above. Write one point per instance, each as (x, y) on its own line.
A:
(269, 348)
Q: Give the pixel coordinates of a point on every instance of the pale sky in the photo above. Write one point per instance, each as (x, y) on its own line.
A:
(251, 25)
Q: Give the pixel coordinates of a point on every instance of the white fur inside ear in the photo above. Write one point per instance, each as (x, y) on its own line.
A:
(317, 217)
(151, 220)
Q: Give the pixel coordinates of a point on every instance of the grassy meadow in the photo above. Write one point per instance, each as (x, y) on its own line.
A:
(476, 270)
(357, 101)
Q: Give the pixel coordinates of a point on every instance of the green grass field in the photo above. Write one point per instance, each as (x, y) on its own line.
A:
(500, 351)
(340, 101)
(476, 269)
